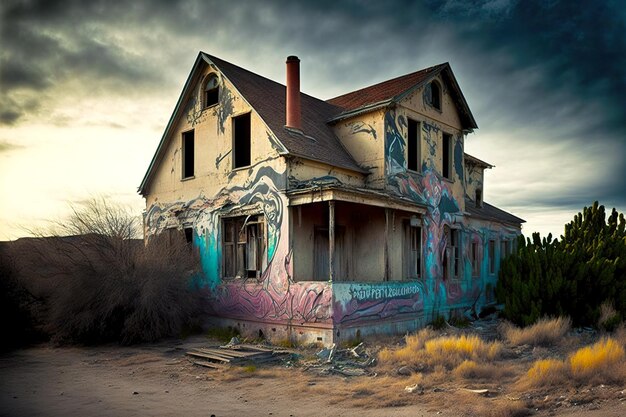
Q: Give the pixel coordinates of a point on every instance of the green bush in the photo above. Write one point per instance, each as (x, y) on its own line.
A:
(571, 277)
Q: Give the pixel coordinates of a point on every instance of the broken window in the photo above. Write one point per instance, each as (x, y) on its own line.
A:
(243, 246)
(241, 141)
(413, 148)
(446, 155)
(412, 251)
(492, 257)
(188, 154)
(435, 95)
(479, 198)
(452, 254)
(474, 255)
(211, 91)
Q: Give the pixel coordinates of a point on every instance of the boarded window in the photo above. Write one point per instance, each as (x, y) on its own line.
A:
(413, 148)
(188, 154)
(243, 246)
(241, 141)
(446, 155)
(412, 251)
(492, 256)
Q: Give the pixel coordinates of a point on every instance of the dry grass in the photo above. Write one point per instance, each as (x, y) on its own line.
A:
(471, 370)
(546, 372)
(425, 350)
(605, 358)
(545, 332)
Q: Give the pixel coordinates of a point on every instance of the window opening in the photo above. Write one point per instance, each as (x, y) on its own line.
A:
(188, 154)
(413, 148)
(241, 141)
(452, 254)
(189, 235)
(435, 97)
(211, 91)
(243, 246)
(505, 247)
(447, 156)
(412, 251)
(479, 198)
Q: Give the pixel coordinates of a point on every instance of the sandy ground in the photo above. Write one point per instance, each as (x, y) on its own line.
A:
(158, 380)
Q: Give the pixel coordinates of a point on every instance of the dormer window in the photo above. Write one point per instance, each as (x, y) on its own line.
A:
(211, 91)
(435, 95)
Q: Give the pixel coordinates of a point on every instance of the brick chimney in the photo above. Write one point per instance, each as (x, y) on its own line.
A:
(294, 119)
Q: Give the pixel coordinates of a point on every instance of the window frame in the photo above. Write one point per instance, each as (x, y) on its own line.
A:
(210, 92)
(435, 95)
(254, 224)
(188, 136)
(476, 263)
(413, 260)
(414, 141)
(235, 153)
(491, 249)
(447, 156)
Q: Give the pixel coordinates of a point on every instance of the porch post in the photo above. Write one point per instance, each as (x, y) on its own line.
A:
(386, 247)
(331, 240)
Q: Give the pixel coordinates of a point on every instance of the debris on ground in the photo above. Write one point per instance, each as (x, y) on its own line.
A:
(347, 362)
(233, 353)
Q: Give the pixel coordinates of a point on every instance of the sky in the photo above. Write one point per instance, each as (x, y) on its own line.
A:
(87, 88)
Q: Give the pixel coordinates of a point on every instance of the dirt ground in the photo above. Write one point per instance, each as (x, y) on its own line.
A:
(159, 380)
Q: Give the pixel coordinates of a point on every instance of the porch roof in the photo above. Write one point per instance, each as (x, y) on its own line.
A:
(366, 196)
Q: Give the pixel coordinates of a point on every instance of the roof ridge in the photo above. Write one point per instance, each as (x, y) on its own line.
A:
(391, 80)
(212, 57)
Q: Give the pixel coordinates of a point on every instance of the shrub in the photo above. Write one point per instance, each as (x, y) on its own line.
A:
(545, 332)
(16, 319)
(469, 369)
(110, 287)
(571, 277)
(605, 358)
(547, 372)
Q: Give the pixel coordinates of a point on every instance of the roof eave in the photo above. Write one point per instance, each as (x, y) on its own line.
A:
(360, 110)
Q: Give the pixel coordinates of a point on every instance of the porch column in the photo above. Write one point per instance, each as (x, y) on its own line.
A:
(386, 247)
(331, 240)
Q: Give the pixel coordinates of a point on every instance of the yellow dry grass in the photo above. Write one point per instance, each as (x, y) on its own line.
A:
(448, 351)
(546, 331)
(546, 372)
(472, 370)
(604, 357)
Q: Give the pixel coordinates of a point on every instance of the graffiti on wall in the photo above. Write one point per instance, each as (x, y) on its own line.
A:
(274, 296)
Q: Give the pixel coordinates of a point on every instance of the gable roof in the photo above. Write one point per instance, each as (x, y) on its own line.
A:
(394, 90)
(478, 162)
(316, 141)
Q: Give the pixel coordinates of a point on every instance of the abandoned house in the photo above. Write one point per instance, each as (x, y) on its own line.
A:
(321, 221)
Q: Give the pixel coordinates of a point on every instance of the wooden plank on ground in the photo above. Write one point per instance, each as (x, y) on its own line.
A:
(216, 352)
(209, 356)
(208, 364)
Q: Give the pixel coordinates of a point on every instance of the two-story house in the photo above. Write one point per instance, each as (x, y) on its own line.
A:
(318, 221)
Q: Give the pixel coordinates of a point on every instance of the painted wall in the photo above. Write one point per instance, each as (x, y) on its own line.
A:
(217, 190)
(303, 173)
(474, 179)
(363, 136)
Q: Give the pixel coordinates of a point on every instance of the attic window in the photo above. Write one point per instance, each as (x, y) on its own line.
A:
(241, 141)
(211, 91)
(479, 198)
(435, 95)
